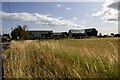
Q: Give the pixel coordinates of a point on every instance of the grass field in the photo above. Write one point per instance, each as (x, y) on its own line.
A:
(67, 58)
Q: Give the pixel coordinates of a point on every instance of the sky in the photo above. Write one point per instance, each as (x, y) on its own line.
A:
(61, 16)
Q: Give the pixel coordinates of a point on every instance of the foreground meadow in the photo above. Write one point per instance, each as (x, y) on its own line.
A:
(67, 58)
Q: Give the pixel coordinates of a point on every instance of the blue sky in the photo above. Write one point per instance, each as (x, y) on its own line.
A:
(79, 13)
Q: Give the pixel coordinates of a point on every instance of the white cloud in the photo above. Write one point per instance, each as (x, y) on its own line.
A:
(109, 11)
(83, 22)
(48, 15)
(75, 18)
(60, 18)
(68, 8)
(38, 18)
(58, 5)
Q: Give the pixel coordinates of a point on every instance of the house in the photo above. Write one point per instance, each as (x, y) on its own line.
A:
(40, 34)
(81, 33)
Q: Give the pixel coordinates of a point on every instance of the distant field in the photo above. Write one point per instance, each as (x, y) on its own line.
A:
(67, 58)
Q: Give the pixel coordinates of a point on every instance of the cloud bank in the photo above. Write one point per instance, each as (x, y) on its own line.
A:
(38, 18)
(109, 11)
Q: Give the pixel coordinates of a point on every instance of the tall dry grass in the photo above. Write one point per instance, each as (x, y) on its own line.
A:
(69, 58)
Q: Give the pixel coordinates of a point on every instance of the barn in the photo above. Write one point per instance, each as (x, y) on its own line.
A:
(81, 33)
(76, 33)
(60, 35)
(57, 35)
(91, 32)
(40, 34)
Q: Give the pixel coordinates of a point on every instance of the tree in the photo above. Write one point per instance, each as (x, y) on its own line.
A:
(117, 35)
(20, 33)
(112, 34)
(100, 34)
(5, 38)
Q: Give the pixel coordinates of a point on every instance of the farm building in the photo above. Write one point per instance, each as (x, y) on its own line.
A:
(40, 34)
(59, 35)
(78, 33)
(81, 33)
(91, 32)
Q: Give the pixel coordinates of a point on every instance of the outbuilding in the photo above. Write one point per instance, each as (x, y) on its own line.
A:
(81, 33)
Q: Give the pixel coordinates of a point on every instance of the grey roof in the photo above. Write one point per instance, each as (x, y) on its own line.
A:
(57, 34)
(42, 32)
(81, 30)
(77, 31)
(89, 30)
